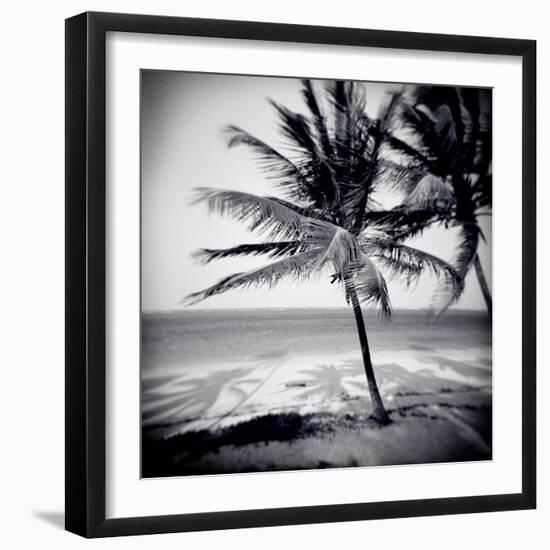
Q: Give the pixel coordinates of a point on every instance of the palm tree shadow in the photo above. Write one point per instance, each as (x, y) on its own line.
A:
(56, 519)
(395, 379)
(271, 361)
(328, 381)
(184, 399)
(462, 368)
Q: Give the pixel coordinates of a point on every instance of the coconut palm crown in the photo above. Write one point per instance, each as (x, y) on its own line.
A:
(332, 166)
(446, 139)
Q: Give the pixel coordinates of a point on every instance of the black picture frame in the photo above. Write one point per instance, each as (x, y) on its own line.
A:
(86, 274)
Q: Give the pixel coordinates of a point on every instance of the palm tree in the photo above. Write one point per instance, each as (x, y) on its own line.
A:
(445, 136)
(329, 176)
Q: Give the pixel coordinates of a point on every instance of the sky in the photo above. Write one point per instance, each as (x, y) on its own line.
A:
(183, 146)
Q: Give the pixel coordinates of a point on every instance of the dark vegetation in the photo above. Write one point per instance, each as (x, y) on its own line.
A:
(180, 454)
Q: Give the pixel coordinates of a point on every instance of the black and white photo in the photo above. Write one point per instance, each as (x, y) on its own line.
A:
(315, 273)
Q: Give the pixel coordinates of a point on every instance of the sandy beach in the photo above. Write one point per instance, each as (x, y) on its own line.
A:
(218, 397)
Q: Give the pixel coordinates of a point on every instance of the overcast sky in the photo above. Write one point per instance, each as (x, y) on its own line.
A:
(183, 146)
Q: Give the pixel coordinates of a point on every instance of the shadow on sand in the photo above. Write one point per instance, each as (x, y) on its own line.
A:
(169, 401)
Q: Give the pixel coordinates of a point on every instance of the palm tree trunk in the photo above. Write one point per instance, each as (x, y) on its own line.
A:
(484, 286)
(378, 406)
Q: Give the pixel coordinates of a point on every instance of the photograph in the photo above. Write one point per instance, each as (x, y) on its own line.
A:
(316, 273)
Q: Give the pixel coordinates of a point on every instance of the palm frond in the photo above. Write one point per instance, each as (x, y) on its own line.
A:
(467, 248)
(476, 111)
(308, 211)
(317, 184)
(274, 249)
(341, 249)
(388, 109)
(411, 154)
(463, 260)
(318, 117)
(469, 111)
(435, 97)
(406, 263)
(274, 163)
(348, 101)
(401, 223)
(393, 176)
(295, 127)
(294, 178)
(368, 182)
(298, 267)
(430, 192)
(483, 154)
(264, 215)
(423, 124)
(483, 192)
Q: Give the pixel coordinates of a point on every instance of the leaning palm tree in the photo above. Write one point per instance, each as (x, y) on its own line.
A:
(333, 167)
(445, 135)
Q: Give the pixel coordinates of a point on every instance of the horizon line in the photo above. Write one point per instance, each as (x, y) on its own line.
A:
(252, 308)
